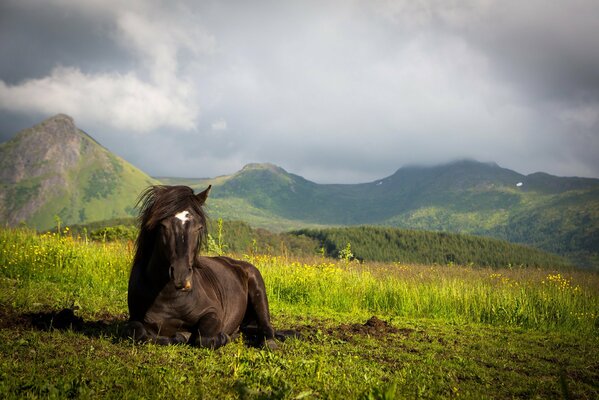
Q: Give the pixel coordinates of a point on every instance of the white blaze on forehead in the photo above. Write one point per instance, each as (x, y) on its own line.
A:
(183, 216)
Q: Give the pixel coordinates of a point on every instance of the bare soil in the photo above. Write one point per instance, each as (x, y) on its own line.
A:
(61, 320)
(66, 319)
(374, 327)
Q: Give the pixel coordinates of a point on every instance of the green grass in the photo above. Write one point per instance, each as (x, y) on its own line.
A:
(59, 271)
(453, 331)
(528, 298)
(426, 360)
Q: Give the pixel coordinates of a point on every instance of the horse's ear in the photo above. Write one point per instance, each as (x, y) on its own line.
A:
(204, 195)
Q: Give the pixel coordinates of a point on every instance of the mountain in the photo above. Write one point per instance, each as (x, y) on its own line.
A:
(556, 214)
(55, 169)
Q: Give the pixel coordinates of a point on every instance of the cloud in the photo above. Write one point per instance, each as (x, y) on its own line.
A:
(118, 101)
(541, 47)
(156, 94)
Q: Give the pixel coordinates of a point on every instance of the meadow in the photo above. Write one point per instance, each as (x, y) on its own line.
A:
(439, 331)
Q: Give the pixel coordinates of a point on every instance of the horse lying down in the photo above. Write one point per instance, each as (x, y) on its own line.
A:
(177, 296)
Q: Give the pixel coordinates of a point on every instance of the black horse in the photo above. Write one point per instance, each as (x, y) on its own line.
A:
(176, 295)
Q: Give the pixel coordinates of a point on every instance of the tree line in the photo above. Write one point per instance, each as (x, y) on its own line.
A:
(367, 243)
(375, 243)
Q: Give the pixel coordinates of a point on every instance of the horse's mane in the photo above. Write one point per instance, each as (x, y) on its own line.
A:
(157, 203)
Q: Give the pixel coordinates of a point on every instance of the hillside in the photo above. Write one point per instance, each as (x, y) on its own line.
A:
(556, 214)
(55, 169)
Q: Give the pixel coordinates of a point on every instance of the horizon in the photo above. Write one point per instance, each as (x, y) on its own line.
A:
(406, 166)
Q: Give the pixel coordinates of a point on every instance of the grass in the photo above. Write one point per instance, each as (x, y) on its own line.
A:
(429, 360)
(451, 332)
(529, 298)
(62, 271)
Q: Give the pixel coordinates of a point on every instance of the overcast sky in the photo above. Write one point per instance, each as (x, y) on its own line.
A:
(335, 91)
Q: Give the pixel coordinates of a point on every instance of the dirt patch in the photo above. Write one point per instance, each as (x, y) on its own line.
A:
(65, 319)
(11, 319)
(374, 327)
(114, 326)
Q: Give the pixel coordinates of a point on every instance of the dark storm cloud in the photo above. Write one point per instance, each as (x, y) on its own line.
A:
(548, 47)
(11, 123)
(337, 91)
(34, 39)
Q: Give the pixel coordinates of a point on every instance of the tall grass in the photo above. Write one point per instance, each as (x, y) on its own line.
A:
(59, 270)
(531, 298)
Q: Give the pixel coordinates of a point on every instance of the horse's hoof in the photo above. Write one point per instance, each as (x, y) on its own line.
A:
(182, 337)
(271, 344)
(164, 341)
(136, 331)
(286, 334)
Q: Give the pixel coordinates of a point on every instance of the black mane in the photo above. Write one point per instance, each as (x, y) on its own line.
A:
(157, 203)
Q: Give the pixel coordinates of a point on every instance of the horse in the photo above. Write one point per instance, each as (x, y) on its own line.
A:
(177, 296)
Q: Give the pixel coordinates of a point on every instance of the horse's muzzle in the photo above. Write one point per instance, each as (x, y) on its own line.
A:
(185, 286)
(182, 281)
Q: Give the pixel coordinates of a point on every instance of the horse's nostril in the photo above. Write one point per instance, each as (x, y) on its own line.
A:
(171, 272)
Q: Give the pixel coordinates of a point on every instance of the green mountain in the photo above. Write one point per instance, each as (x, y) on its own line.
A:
(556, 214)
(55, 169)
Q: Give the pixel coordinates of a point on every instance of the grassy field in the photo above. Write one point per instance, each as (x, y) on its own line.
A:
(439, 331)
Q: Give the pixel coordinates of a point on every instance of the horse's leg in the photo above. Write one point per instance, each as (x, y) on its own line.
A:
(179, 338)
(209, 333)
(259, 302)
(138, 332)
(142, 334)
(212, 342)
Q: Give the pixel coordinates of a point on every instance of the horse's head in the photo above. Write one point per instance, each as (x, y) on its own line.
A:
(180, 241)
(176, 217)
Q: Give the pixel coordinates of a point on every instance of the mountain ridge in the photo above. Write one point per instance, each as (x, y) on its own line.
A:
(557, 214)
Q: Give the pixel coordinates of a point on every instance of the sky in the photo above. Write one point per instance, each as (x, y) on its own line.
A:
(335, 91)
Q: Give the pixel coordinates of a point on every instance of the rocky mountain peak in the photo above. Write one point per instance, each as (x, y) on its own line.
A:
(53, 145)
(54, 168)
